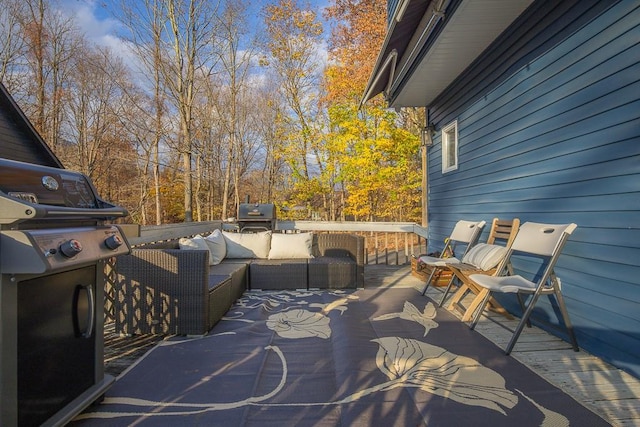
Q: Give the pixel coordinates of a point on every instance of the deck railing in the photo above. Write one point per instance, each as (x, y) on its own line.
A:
(385, 242)
(390, 243)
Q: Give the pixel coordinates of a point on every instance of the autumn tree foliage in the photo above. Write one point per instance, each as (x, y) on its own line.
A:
(293, 35)
(358, 32)
(377, 153)
(211, 102)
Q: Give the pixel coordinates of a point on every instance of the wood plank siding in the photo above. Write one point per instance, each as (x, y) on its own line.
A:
(549, 131)
(18, 139)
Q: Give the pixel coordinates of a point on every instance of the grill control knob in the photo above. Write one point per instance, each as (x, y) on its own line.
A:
(113, 242)
(71, 248)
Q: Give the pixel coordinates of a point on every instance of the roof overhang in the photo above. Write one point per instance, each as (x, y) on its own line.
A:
(432, 43)
(33, 141)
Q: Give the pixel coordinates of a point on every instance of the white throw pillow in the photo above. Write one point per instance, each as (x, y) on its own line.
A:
(196, 243)
(247, 245)
(217, 246)
(285, 246)
(485, 256)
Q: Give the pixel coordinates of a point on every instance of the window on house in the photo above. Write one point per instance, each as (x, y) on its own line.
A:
(450, 147)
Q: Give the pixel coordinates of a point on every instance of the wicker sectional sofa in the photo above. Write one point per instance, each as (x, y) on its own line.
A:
(160, 288)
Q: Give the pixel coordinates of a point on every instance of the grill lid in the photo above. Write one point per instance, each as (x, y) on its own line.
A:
(29, 191)
(256, 216)
(256, 212)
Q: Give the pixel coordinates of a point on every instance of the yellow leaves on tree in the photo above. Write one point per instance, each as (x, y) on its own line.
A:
(378, 160)
(292, 35)
(378, 163)
(171, 191)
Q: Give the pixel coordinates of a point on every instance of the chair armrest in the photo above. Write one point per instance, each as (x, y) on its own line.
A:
(343, 244)
(157, 287)
(167, 244)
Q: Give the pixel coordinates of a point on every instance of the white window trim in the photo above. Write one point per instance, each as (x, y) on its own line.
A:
(446, 131)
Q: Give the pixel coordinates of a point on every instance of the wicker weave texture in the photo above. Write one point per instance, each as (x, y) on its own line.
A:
(343, 245)
(239, 273)
(219, 299)
(278, 274)
(162, 289)
(332, 273)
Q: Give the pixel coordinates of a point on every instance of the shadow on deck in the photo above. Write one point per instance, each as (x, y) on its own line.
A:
(606, 390)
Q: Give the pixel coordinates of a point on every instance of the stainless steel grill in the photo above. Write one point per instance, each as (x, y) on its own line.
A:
(256, 216)
(54, 242)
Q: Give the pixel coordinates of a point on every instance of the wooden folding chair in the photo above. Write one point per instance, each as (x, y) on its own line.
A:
(503, 232)
(464, 232)
(540, 241)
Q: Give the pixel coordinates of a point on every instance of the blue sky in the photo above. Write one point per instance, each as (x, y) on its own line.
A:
(96, 20)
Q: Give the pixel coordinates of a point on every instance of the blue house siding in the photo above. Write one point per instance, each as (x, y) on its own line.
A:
(392, 5)
(554, 136)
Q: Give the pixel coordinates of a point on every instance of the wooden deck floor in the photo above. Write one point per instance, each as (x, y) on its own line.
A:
(606, 390)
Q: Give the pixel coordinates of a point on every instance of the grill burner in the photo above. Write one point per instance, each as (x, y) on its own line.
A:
(54, 244)
(256, 217)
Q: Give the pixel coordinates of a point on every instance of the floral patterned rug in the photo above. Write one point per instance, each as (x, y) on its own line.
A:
(369, 357)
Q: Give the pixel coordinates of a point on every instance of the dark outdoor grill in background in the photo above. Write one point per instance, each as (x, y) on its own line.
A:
(256, 217)
(54, 243)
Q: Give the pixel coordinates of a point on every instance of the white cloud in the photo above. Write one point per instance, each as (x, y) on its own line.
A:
(91, 19)
(100, 28)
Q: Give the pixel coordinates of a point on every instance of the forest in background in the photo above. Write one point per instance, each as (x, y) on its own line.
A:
(209, 104)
